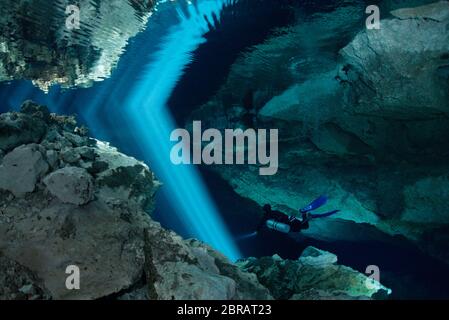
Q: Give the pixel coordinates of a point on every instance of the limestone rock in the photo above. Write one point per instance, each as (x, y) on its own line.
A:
(86, 153)
(315, 275)
(426, 200)
(332, 139)
(19, 283)
(395, 76)
(22, 168)
(124, 178)
(190, 270)
(52, 158)
(71, 185)
(107, 249)
(436, 11)
(115, 254)
(48, 230)
(315, 257)
(247, 284)
(18, 128)
(35, 110)
(69, 155)
(75, 139)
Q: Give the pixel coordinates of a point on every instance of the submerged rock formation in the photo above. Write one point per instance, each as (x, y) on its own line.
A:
(56, 210)
(362, 117)
(76, 57)
(69, 200)
(314, 276)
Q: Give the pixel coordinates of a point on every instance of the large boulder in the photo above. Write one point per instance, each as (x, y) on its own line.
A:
(18, 128)
(123, 177)
(22, 168)
(71, 185)
(46, 237)
(190, 270)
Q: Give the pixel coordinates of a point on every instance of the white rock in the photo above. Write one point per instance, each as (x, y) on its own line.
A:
(71, 185)
(22, 168)
(315, 257)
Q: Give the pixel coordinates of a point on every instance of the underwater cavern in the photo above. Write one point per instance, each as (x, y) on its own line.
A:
(91, 92)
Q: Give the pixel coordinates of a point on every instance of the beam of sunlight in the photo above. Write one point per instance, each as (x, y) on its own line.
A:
(146, 113)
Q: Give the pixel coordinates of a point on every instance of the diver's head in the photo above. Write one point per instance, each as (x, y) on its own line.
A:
(267, 208)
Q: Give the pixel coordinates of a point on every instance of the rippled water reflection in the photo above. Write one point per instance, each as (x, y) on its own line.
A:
(55, 54)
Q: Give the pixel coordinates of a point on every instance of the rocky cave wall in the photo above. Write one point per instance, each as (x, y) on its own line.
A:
(362, 117)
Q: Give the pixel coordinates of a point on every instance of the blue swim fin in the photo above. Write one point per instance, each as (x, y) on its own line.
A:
(323, 215)
(315, 204)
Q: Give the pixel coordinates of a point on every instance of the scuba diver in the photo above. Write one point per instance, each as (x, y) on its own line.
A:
(279, 221)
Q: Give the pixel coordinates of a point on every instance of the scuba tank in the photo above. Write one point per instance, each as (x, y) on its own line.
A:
(278, 226)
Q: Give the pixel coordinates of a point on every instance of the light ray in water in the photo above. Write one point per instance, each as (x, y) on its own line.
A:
(151, 123)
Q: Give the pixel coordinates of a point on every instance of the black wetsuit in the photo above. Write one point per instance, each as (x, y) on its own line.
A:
(295, 224)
